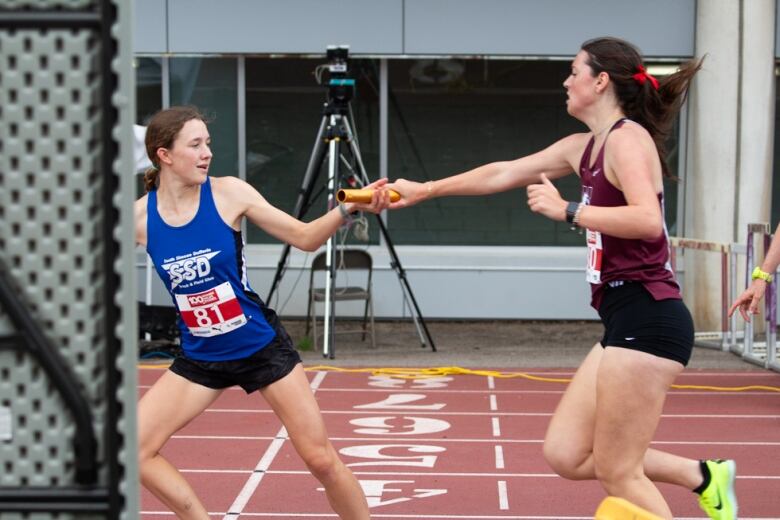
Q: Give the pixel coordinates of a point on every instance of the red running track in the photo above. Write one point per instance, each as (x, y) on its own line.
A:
(459, 447)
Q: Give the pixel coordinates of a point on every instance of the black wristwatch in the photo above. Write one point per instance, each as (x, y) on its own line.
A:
(571, 210)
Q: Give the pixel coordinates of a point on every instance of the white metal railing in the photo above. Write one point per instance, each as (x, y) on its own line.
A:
(740, 340)
(719, 339)
(762, 353)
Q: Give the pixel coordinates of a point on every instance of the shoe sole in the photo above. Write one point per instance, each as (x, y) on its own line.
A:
(732, 467)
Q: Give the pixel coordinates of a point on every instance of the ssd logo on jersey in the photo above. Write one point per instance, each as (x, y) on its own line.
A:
(189, 269)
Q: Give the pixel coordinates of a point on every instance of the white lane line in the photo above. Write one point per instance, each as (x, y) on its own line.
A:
(499, 457)
(254, 479)
(260, 470)
(506, 414)
(493, 402)
(420, 474)
(451, 439)
(418, 516)
(491, 382)
(672, 393)
(503, 499)
(316, 516)
(558, 373)
(496, 427)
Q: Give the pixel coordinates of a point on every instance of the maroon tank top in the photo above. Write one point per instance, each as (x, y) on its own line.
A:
(611, 260)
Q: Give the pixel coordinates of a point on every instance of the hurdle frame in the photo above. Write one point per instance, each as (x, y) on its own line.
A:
(726, 336)
(763, 354)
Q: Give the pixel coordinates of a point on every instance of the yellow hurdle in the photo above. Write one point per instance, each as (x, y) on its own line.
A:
(613, 508)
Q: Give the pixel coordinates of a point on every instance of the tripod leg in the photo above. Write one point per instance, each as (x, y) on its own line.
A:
(355, 149)
(407, 298)
(395, 262)
(304, 194)
(328, 320)
(328, 343)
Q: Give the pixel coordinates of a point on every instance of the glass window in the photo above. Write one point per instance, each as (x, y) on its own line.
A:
(148, 97)
(448, 116)
(211, 85)
(148, 93)
(672, 185)
(284, 111)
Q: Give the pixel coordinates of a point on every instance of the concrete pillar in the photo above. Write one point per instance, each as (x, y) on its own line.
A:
(731, 134)
(757, 116)
(713, 139)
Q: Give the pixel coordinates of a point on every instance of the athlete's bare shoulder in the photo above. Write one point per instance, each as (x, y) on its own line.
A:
(228, 186)
(572, 147)
(233, 197)
(139, 218)
(578, 140)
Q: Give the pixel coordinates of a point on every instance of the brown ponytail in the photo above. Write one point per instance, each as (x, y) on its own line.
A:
(654, 108)
(163, 128)
(150, 178)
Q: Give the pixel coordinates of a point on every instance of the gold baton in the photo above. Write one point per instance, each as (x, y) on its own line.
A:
(363, 195)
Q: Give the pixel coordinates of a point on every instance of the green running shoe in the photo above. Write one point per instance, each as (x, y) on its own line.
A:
(718, 499)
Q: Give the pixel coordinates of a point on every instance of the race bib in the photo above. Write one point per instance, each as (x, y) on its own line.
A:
(212, 312)
(595, 254)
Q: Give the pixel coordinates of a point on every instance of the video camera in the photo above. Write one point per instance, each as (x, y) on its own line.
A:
(341, 88)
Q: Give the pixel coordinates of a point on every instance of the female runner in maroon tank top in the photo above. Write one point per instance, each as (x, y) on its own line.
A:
(608, 415)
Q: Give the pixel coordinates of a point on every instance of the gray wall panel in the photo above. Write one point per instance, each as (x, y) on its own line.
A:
(442, 278)
(290, 26)
(150, 26)
(552, 27)
(494, 27)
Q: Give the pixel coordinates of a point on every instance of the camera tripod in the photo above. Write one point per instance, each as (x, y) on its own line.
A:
(335, 130)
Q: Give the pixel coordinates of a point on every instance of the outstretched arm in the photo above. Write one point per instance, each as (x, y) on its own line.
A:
(556, 161)
(307, 236)
(748, 300)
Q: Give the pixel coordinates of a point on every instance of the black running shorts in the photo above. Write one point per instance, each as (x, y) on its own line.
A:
(267, 365)
(633, 319)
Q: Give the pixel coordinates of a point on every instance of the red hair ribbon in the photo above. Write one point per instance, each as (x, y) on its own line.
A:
(643, 76)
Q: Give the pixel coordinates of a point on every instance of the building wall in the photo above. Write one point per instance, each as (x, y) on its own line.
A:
(463, 281)
(411, 27)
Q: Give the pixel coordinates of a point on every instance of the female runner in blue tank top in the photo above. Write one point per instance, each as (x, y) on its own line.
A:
(608, 415)
(190, 226)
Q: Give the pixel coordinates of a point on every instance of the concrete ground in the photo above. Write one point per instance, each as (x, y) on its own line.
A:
(478, 344)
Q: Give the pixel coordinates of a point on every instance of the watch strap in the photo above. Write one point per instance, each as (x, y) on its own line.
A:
(758, 274)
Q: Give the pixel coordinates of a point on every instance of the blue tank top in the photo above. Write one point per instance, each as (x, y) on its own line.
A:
(202, 265)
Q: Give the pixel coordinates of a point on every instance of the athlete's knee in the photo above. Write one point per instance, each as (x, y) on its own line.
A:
(322, 461)
(146, 452)
(616, 478)
(565, 461)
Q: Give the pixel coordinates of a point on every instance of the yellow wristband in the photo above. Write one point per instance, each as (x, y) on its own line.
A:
(758, 274)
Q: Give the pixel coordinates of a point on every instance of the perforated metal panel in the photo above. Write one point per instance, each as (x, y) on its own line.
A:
(50, 233)
(47, 4)
(65, 237)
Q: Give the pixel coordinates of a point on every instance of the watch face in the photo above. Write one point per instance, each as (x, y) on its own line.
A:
(571, 210)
